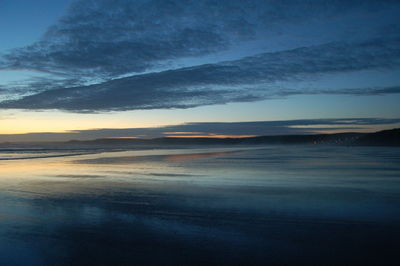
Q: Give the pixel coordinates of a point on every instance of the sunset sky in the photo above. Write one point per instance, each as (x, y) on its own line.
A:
(91, 69)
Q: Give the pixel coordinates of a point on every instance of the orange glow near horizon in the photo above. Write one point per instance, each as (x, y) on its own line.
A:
(123, 138)
(192, 136)
(15, 122)
(212, 136)
(20, 122)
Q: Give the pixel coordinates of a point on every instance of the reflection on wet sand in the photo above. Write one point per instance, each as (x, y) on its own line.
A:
(167, 157)
(276, 205)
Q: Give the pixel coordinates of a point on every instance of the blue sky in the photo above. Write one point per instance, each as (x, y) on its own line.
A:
(83, 65)
(24, 22)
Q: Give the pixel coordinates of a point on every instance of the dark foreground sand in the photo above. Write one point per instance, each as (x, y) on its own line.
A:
(270, 206)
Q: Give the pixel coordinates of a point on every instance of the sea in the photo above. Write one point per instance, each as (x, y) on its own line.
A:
(200, 205)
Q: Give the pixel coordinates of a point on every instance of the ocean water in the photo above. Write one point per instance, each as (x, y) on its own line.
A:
(258, 205)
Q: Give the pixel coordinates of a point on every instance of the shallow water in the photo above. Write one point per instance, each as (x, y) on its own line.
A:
(257, 205)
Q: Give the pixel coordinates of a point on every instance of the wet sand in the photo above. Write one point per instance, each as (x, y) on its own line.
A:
(223, 206)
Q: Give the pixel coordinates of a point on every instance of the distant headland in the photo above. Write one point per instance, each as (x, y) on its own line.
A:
(380, 138)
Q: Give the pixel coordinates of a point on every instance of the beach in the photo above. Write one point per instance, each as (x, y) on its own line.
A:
(277, 204)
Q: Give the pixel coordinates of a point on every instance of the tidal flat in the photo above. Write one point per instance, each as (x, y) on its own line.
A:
(260, 205)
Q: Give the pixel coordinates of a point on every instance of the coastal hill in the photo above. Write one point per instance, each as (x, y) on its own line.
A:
(381, 138)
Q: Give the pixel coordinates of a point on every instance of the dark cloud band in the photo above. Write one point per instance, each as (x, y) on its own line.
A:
(287, 127)
(248, 79)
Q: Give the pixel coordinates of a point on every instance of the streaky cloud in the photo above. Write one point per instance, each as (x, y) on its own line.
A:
(108, 38)
(249, 79)
(283, 127)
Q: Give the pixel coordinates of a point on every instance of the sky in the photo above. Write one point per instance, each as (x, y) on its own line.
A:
(87, 69)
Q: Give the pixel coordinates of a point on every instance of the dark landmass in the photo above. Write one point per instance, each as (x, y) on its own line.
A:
(380, 138)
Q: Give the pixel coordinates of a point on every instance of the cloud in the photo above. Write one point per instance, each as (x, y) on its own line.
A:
(106, 38)
(99, 41)
(348, 91)
(248, 79)
(33, 85)
(285, 127)
(111, 38)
